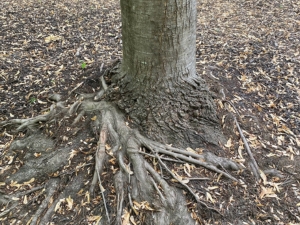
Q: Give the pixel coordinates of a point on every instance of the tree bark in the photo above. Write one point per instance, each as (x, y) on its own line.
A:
(159, 41)
(160, 88)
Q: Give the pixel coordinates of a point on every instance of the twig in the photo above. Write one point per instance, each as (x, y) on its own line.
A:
(230, 103)
(75, 88)
(253, 164)
(163, 184)
(17, 196)
(8, 210)
(29, 191)
(183, 184)
(103, 197)
(130, 201)
(199, 178)
(167, 150)
(166, 159)
(196, 162)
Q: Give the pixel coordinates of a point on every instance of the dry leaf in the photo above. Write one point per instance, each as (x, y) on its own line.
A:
(240, 151)
(132, 220)
(95, 219)
(15, 184)
(267, 192)
(263, 177)
(73, 153)
(37, 154)
(25, 200)
(29, 182)
(102, 189)
(185, 181)
(209, 197)
(69, 201)
(57, 207)
(126, 217)
(212, 188)
(87, 196)
(187, 169)
(51, 38)
(191, 150)
(228, 144)
(10, 159)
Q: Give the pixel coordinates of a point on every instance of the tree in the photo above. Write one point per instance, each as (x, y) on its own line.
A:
(161, 89)
(165, 102)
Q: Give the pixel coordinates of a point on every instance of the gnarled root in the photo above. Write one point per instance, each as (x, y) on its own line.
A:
(140, 190)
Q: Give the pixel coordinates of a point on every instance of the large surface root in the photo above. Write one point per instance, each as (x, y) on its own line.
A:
(141, 192)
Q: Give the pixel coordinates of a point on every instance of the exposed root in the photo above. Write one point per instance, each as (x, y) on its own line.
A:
(50, 190)
(6, 199)
(207, 160)
(136, 183)
(72, 188)
(120, 190)
(183, 184)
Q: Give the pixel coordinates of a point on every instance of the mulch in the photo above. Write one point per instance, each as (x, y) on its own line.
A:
(248, 52)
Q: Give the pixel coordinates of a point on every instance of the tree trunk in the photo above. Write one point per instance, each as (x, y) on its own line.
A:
(160, 88)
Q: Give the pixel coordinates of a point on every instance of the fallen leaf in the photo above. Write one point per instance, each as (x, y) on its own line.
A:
(25, 200)
(132, 220)
(126, 217)
(73, 153)
(267, 192)
(57, 207)
(209, 197)
(95, 219)
(263, 177)
(187, 169)
(15, 184)
(87, 196)
(212, 188)
(69, 201)
(228, 144)
(37, 154)
(51, 38)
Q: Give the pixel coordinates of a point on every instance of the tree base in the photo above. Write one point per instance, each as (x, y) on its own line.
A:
(64, 146)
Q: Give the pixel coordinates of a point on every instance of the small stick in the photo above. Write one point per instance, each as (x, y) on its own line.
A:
(183, 184)
(166, 159)
(253, 164)
(103, 197)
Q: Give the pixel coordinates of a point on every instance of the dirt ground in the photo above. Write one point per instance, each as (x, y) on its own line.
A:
(248, 52)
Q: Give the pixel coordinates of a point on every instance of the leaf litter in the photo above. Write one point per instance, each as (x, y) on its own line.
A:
(249, 53)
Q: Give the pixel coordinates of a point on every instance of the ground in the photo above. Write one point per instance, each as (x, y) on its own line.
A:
(248, 52)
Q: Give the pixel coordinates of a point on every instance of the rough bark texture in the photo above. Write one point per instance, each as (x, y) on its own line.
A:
(160, 88)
